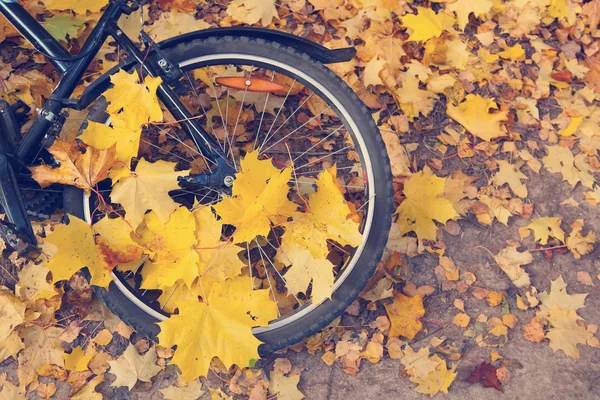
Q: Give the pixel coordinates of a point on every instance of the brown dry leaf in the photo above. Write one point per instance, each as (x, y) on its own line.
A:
(374, 350)
(494, 298)
(42, 346)
(578, 244)
(585, 278)
(405, 313)
(397, 153)
(461, 320)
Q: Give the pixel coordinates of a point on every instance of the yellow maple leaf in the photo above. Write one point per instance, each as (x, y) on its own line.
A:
(172, 245)
(463, 8)
(131, 367)
(77, 360)
(12, 313)
(224, 324)
(115, 241)
(327, 218)
(414, 101)
(138, 101)
(578, 244)
(511, 174)
(437, 381)
(570, 130)
(304, 269)
(256, 203)
(558, 296)
(545, 227)
(34, 284)
(172, 296)
(514, 53)
(88, 392)
(561, 160)
(404, 314)
(566, 333)
(83, 170)
(418, 363)
(125, 139)
(252, 11)
(372, 70)
(427, 24)
(423, 204)
(510, 261)
(42, 346)
(458, 54)
(473, 114)
(217, 260)
(188, 247)
(79, 7)
(147, 189)
(76, 249)
(430, 373)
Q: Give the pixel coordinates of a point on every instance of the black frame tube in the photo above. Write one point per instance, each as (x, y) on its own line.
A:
(34, 140)
(35, 33)
(209, 148)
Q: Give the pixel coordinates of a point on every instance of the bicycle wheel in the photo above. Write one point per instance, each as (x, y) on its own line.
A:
(312, 118)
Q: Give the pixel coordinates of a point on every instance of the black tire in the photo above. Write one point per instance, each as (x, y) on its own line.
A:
(327, 311)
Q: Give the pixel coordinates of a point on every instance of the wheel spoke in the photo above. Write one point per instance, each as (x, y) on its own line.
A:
(208, 122)
(277, 116)
(278, 273)
(316, 144)
(324, 157)
(294, 131)
(262, 116)
(267, 274)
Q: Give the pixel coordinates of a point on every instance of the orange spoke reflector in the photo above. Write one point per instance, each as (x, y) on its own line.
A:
(253, 84)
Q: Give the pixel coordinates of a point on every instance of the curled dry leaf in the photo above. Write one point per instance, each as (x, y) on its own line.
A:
(511, 261)
(77, 168)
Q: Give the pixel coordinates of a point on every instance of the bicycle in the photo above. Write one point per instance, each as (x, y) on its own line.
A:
(313, 117)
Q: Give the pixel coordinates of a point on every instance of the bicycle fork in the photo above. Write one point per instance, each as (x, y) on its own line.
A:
(18, 233)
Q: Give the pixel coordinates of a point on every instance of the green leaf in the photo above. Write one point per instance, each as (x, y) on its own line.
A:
(61, 26)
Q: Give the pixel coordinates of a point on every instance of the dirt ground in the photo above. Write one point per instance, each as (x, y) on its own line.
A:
(536, 371)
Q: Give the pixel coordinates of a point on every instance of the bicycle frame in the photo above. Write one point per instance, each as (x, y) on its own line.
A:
(50, 118)
(74, 67)
(22, 151)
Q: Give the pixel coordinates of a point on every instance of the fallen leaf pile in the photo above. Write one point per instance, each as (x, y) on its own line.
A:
(489, 111)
